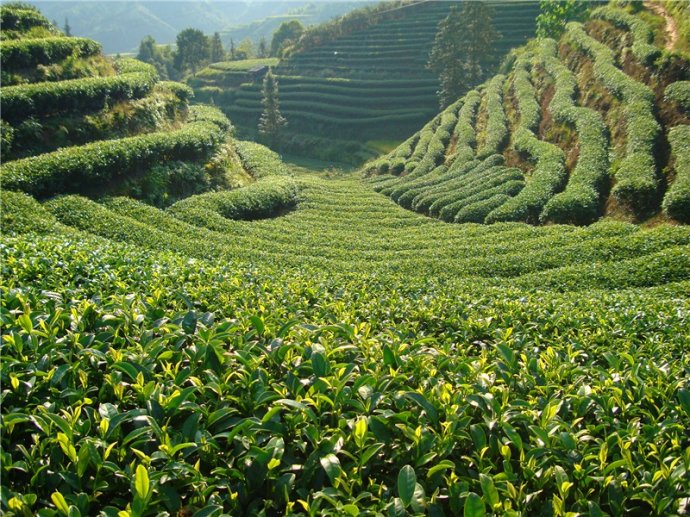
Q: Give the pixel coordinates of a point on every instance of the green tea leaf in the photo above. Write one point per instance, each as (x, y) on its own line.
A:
(60, 503)
(489, 490)
(474, 506)
(141, 483)
(331, 464)
(407, 480)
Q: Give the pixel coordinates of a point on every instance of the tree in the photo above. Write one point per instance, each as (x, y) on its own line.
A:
(217, 50)
(555, 15)
(245, 50)
(464, 43)
(67, 29)
(271, 122)
(193, 50)
(233, 50)
(287, 33)
(263, 48)
(161, 58)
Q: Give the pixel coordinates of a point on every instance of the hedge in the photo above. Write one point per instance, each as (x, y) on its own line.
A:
(679, 92)
(76, 168)
(448, 203)
(461, 178)
(29, 53)
(496, 131)
(180, 90)
(22, 20)
(676, 202)
(581, 201)
(464, 133)
(637, 179)
(75, 95)
(417, 189)
(500, 185)
(256, 201)
(642, 47)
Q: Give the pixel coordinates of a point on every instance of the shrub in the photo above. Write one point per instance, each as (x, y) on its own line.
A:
(29, 53)
(74, 95)
(642, 47)
(679, 92)
(676, 202)
(496, 131)
(180, 90)
(77, 168)
(581, 201)
(637, 180)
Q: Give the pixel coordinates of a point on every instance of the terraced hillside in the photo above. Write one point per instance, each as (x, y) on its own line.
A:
(303, 345)
(367, 84)
(73, 120)
(595, 124)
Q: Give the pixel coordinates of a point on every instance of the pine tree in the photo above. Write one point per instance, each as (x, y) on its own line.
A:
(464, 43)
(233, 51)
(271, 122)
(263, 48)
(67, 29)
(217, 50)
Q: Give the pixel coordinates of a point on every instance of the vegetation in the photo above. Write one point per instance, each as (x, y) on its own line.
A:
(580, 120)
(272, 122)
(286, 35)
(463, 45)
(250, 337)
(193, 48)
(371, 63)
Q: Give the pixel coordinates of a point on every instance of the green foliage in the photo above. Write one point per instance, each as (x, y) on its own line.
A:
(637, 179)
(28, 53)
(20, 18)
(643, 37)
(554, 16)
(271, 123)
(267, 347)
(464, 43)
(496, 131)
(76, 168)
(193, 49)
(77, 95)
(679, 93)
(216, 52)
(676, 202)
(581, 202)
(285, 36)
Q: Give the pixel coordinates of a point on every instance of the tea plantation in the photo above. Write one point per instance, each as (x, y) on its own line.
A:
(356, 84)
(273, 340)
(594, 124)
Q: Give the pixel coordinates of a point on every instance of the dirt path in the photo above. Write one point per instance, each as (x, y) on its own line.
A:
(671, 27)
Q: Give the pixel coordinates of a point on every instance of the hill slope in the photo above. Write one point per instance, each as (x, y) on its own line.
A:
(363, 84)
(594, 125)
(303, 345)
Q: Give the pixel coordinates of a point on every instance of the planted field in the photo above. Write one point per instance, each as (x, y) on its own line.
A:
(377, 74)
(350, 356)
(191, 326)
(590, 133)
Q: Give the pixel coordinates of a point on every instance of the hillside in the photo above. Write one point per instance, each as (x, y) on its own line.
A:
(120, 26)
(240, 336)
(353, 86)
(593, 125)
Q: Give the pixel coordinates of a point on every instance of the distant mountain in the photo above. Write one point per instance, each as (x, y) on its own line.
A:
(120, 26)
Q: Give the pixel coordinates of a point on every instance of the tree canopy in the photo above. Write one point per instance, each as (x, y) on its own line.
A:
(271, 122)
(285, 34)
(217, 50)
(193, 49)
(464, 42)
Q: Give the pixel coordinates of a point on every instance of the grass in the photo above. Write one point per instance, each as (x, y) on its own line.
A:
(245, 64)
